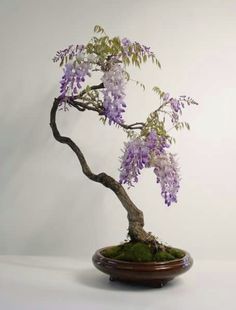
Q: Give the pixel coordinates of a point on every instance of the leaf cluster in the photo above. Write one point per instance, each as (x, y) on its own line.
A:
(182, 125)
(91, 96)
(106, 47)
(154, 122)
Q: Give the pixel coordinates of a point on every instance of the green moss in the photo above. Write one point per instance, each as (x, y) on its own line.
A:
(175, 252)
(138, 252)
(162, 256)
(131, 251)
(112, 252)
(141, 252)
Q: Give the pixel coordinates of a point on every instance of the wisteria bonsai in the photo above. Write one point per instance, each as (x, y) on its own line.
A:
(149, 140)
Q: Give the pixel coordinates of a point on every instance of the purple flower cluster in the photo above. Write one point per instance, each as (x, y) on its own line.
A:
(176, 106)
(130, 47)
(114, 85)
(151, 152)
(135, 158)
(74, 75)
(76, 68)
(166, 171)
(156, 143)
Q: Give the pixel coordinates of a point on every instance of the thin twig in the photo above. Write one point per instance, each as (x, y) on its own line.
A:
(138, 125)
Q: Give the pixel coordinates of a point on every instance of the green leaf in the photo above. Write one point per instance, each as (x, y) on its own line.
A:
(103, 119)
(158, 63)
(187, 125)
(158, 91)
(140, 84)
(62, 62)
(127, 75)
(98, 29)
(126, 61)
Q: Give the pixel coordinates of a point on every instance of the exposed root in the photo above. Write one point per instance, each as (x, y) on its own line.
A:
(138, 234)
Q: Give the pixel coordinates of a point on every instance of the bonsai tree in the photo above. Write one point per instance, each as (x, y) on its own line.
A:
(149, 140)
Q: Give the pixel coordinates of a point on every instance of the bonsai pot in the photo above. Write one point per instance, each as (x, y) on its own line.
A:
(155, 274)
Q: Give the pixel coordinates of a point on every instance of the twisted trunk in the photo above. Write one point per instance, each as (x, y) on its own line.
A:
(135, 216)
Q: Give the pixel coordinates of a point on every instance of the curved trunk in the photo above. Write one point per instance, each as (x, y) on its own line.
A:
(135, 216)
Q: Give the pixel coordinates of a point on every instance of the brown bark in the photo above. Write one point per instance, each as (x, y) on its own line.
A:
(135, 216)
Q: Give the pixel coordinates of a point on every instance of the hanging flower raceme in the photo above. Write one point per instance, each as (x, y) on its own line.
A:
(74, 75)
(77, 67)
(135, 157)
(114, 94)
(142, 153)
(166, 170)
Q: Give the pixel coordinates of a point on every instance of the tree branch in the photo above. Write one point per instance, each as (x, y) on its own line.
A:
(82, 106)
(83, 92)
(138, 125)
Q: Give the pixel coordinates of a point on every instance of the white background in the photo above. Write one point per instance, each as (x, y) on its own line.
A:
(47, 207)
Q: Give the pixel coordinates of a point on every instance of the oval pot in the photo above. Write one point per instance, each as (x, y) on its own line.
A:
(155, 274)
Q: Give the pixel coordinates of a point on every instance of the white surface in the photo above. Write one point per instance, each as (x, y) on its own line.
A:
(47, 207)
(34, 283)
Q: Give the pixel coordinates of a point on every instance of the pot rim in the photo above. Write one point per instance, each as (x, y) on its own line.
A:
(186, 260)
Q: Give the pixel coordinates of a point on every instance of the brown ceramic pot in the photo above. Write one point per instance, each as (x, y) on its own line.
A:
(155, 274)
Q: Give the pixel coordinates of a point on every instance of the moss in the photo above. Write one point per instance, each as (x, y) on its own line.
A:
(131, 251)
(175, 252)
(137, 252)
(141, 252)
(112, 252)
(162, 256)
